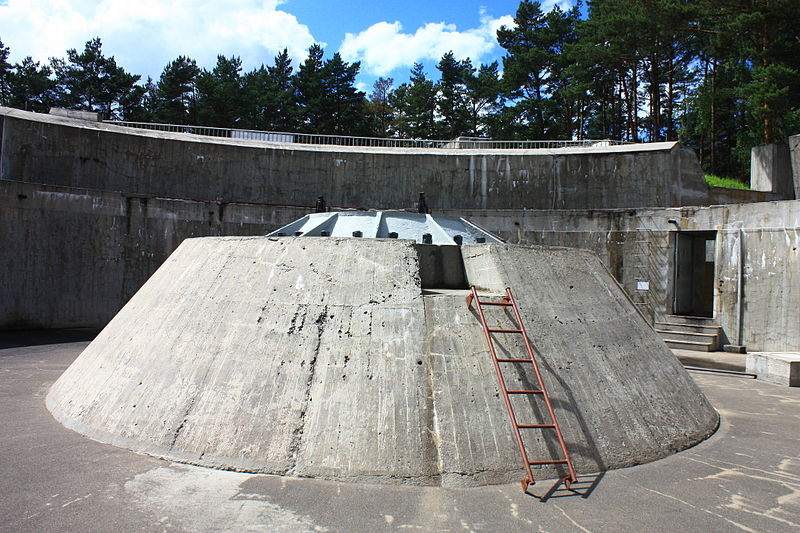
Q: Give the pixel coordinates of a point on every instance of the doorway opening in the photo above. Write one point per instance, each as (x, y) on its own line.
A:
(694, 273)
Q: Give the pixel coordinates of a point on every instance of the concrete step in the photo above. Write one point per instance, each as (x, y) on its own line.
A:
(689, 328)
(690, 345)
(691, 320)
(691, 336)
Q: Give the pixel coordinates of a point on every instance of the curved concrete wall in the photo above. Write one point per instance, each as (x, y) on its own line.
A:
(73, 257)
(61, 151)
(322, 357)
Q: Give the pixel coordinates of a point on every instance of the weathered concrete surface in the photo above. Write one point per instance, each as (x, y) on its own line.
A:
(771, 170)
(794, 154)
(59, 151)
(73, 257)
(321, 357)
(744, 478)
(638, 244)
(616, 388)
(470, 418)
(75, 114)
(79, 254)
(295, 356)
(778, 368)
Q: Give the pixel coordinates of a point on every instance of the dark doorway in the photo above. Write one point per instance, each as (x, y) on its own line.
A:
(694, 273)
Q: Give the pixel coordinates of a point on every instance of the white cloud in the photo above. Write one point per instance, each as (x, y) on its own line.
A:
(144, 35)
(565, 5)
(383, 47)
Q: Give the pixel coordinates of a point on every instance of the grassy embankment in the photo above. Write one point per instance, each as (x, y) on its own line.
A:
(729, 183)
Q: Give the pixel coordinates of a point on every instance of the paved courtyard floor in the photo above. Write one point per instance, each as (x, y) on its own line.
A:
(746, 477)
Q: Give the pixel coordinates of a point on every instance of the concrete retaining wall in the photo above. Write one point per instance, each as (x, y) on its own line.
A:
(75, 256)
(59, 151)
(72, 257)
(638, 244)
(79, 252)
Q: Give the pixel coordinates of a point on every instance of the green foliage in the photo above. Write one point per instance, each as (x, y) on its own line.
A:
(277, 96)
(415, 103)
(93, 82)
(220, 94)
(452, 100)
(343, 105)
(484, 98)
(31, 87)
(174, 97)
(380, 113)
(539, 75)
(728, 183)
(308, 87)
(5, 75)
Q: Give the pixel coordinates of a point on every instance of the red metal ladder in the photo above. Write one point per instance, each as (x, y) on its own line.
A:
(509, 301)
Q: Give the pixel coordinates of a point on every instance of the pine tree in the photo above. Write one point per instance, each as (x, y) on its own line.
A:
(309, 91)
(93, 82)
(31, 87)
(483, 98)
(380, 114)
(343, 105)
(526, 67)
(220, 98)
(452, 101)
(415, 103)
(282, 115)
(770, 40)
(176, 92)
(5, 75)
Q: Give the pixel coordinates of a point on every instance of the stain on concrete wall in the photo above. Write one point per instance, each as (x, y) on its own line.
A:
(59, 151)
(638, 245)
(73, 257)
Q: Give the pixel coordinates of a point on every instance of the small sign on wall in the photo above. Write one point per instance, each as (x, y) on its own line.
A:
(642, 285)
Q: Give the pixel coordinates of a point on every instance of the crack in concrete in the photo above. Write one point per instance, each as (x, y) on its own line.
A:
(430, 396)
(297, 434)
(183, 423)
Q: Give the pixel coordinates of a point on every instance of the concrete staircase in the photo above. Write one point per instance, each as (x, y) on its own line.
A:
(690, 333)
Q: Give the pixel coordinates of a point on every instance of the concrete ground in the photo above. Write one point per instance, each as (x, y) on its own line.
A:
(746, 477)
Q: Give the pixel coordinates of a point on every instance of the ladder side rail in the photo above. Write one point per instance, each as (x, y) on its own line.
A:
(503, 387)
(572, 475)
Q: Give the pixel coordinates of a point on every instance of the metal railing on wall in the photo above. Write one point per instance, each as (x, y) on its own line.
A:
(380, 142)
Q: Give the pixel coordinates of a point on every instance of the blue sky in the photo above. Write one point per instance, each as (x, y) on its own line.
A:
(144, 35)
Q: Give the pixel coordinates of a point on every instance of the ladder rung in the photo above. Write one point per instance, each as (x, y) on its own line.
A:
(561, 462)
(506, 304)
(514, 361)
(525, 392)
(535, 426)
(504, 330)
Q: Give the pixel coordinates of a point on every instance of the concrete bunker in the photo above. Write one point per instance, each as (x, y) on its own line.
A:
(324, 357)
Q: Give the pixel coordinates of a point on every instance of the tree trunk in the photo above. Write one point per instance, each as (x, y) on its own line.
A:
(768, 130)
(713, 115)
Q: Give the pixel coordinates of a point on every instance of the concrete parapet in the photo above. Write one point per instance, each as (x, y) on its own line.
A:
(778, 368)
(794, 154)
(75, 114)
(59, 151)
(771, 170)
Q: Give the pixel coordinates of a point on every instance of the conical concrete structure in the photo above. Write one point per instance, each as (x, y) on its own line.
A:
(326, 357)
